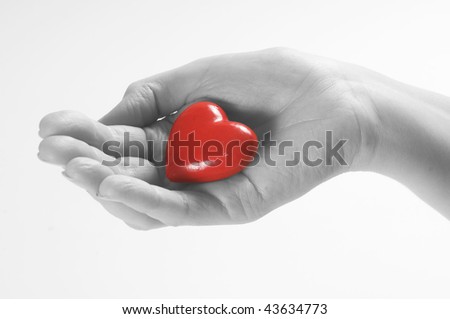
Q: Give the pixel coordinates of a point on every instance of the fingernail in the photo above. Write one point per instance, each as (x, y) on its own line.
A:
(67, 176)
(39, 155)
(101, 196)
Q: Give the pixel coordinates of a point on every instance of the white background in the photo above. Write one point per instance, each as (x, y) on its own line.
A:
(358, 235)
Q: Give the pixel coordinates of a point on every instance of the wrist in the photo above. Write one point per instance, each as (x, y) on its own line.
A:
(410, 127)
(412, 139)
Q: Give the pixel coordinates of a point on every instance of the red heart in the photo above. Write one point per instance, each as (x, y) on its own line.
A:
(204, 146)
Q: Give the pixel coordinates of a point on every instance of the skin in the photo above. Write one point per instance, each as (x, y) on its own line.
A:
(390, 128)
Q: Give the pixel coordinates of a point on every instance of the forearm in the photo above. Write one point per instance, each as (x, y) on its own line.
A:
(413, 142)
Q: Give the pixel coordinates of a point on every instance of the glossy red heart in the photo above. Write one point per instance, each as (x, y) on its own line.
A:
(204, 146)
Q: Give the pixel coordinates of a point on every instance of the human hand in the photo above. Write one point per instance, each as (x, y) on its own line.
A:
(296, 97)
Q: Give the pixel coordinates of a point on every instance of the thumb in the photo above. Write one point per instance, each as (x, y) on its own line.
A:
(149, 99)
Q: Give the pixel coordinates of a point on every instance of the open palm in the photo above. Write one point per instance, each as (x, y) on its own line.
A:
(295, 97)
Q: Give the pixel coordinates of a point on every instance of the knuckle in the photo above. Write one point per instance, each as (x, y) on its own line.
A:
(142, 88)
(140, 100)
(279, 55)
(133, 87)
(146, 90)
(280, 51)
(174, 222)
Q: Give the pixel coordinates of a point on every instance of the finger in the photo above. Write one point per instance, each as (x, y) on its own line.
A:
(75, 124)
(88, 170)
(60, 150)
(173, 208)
(131, 217)
(157, 134)
(88, 174)
(114, 140)
(235, 81)
(149, 99)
